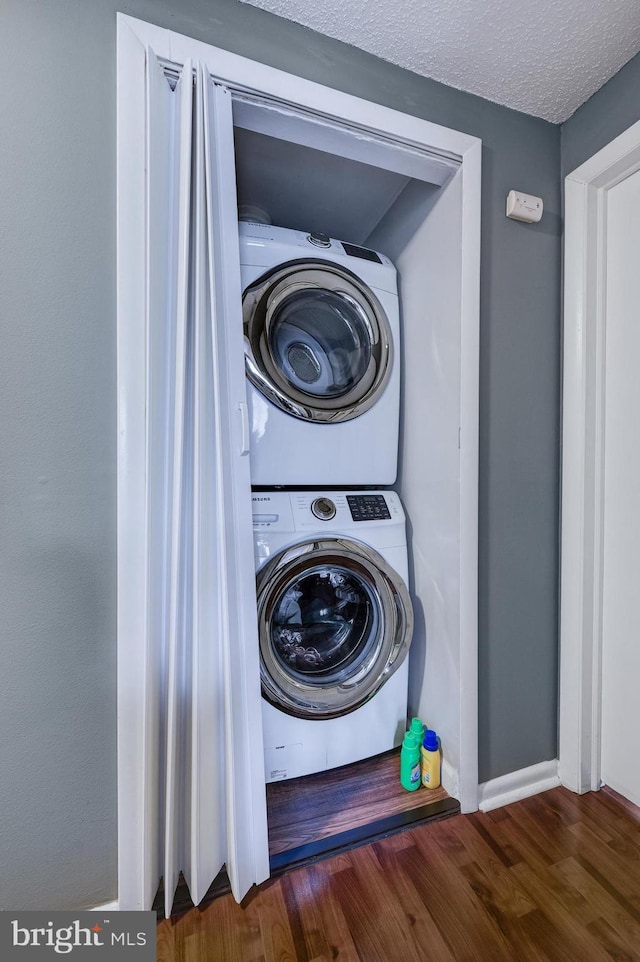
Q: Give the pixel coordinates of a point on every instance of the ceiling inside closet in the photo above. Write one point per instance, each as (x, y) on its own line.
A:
(312, 190)
(544, 59)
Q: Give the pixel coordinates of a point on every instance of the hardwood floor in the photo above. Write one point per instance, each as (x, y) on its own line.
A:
(305, 810)
(331, 812)
(555, 877)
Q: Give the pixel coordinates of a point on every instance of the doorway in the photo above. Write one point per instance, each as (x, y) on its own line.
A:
(597, 612)
(442, 503)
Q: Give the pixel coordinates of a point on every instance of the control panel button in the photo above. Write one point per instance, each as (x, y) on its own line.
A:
(323, 508)
(368, 507)
(319, 239)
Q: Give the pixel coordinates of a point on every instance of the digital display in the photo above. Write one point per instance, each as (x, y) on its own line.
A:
(368, 507)
(362, 252)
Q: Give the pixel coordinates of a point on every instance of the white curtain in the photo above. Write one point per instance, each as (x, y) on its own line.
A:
(198, 798)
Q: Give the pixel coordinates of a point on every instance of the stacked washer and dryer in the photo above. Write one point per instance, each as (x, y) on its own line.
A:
(321, 330)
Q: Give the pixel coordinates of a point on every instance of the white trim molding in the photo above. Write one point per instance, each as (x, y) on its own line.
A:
(450, 779)
(583, 456)
(469, 468)
(517, 785)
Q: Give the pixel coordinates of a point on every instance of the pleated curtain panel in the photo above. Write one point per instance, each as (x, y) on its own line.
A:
(198, 799)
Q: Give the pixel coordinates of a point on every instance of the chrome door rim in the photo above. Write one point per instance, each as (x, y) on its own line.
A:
(260, 304)
(395, 611)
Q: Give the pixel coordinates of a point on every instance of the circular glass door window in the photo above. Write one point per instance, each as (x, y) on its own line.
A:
(335, 621)
(323, 625)
(321, 342)
(317, 341)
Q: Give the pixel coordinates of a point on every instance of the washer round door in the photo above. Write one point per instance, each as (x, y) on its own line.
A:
(335, 622)
(317, 341)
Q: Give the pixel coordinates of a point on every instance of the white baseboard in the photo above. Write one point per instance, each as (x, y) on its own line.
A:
(107, 907)
(449, 779)
(516, 785)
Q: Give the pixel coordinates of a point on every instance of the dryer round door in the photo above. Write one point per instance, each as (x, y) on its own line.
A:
(317, 341)
(335, 622)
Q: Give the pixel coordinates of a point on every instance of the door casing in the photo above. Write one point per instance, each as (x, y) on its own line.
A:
(583, 457)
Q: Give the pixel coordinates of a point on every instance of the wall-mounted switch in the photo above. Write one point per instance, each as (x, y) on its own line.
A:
(524, 207)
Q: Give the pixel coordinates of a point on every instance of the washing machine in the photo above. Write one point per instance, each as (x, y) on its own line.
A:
(321, 331)
(335, 622)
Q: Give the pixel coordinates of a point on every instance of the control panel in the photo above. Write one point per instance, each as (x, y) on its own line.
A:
(317, 510)
(254, 236)
(368, 507)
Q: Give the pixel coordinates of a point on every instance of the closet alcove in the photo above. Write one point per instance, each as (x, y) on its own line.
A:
(320, 160)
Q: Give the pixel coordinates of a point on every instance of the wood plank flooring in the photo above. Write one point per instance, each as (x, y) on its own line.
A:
(555, 877)
(304, 810)
(331, 812)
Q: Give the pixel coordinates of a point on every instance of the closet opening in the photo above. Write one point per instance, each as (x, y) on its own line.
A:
(316, 177)
(378, 180)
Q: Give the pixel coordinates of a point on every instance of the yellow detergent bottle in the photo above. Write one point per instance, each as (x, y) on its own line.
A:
(430, 760)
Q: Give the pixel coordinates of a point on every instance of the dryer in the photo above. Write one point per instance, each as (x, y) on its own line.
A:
(335, 623)
(321, 331)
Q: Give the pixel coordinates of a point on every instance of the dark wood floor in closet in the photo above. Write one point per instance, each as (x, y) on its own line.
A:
(333, 811)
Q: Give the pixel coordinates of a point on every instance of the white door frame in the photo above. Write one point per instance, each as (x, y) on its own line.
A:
(363, 116)
(583, 456)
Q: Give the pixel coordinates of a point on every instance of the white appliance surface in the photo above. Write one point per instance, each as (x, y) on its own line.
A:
(287, 450)
(296, 746)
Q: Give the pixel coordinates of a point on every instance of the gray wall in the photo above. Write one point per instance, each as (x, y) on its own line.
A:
(57, 433)
(611, 110)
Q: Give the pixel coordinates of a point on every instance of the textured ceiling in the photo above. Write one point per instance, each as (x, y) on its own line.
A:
(544, 58)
